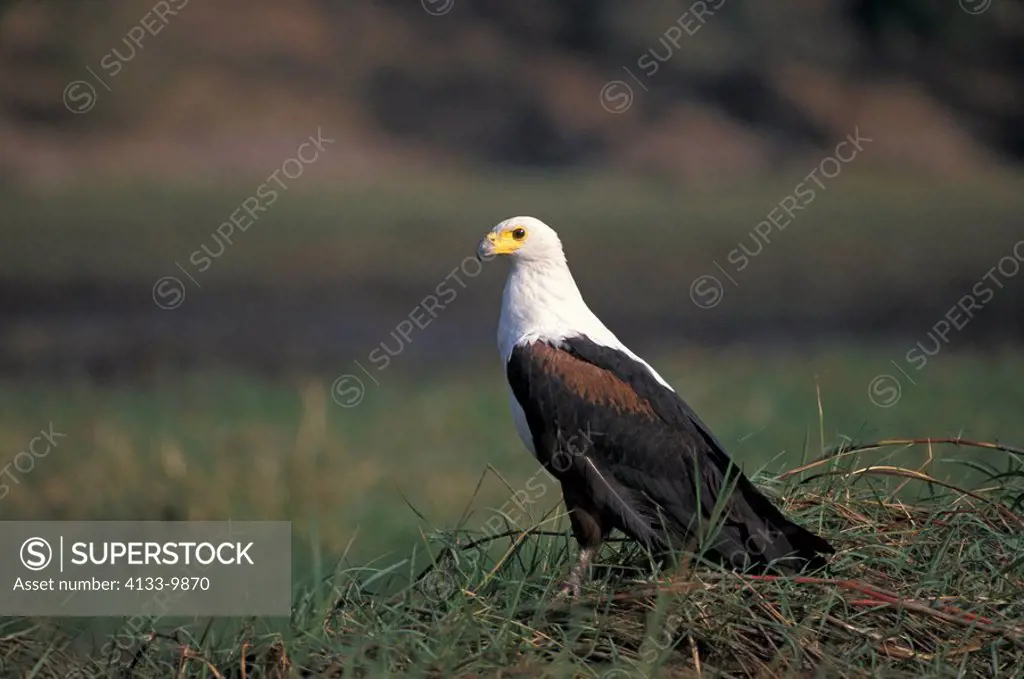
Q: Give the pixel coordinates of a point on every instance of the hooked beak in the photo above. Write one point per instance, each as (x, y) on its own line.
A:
(497, 244)
(486, 250)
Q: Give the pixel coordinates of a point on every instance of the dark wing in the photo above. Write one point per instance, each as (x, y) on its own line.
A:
(601, 422)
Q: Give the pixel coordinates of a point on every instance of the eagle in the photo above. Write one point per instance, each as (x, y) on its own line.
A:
(629, 453)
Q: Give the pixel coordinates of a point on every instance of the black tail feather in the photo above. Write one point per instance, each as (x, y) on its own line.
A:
(759, 536)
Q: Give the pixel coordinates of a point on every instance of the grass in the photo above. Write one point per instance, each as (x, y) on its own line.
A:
(929, 588)
(915, 587)
(382, 490)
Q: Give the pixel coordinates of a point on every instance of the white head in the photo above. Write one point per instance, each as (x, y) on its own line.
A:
(524, 240)
(541, 300)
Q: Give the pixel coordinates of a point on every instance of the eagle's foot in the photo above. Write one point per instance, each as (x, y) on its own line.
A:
(573, 585)
(572, 588)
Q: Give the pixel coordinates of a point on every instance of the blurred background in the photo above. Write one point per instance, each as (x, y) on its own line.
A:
(236, 273)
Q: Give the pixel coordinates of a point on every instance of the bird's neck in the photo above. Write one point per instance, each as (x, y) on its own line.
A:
(542, 301)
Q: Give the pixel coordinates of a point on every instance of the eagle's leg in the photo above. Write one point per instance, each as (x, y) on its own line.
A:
(574, 583)
(589, 531)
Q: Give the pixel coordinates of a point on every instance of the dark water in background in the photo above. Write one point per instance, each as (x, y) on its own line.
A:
(83, 331)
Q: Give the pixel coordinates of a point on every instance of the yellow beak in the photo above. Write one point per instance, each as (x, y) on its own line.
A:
(497, 244)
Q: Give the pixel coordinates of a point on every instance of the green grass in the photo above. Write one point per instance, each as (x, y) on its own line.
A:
(379, 487)
(926, 589)
(932, 588)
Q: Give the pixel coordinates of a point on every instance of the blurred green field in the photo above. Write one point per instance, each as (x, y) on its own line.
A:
(233, 446)
(785, 367)
(866, 271)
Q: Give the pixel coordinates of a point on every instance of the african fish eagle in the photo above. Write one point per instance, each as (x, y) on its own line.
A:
(628, 451)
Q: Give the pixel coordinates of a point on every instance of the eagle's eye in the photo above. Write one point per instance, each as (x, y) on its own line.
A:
(519, 233)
